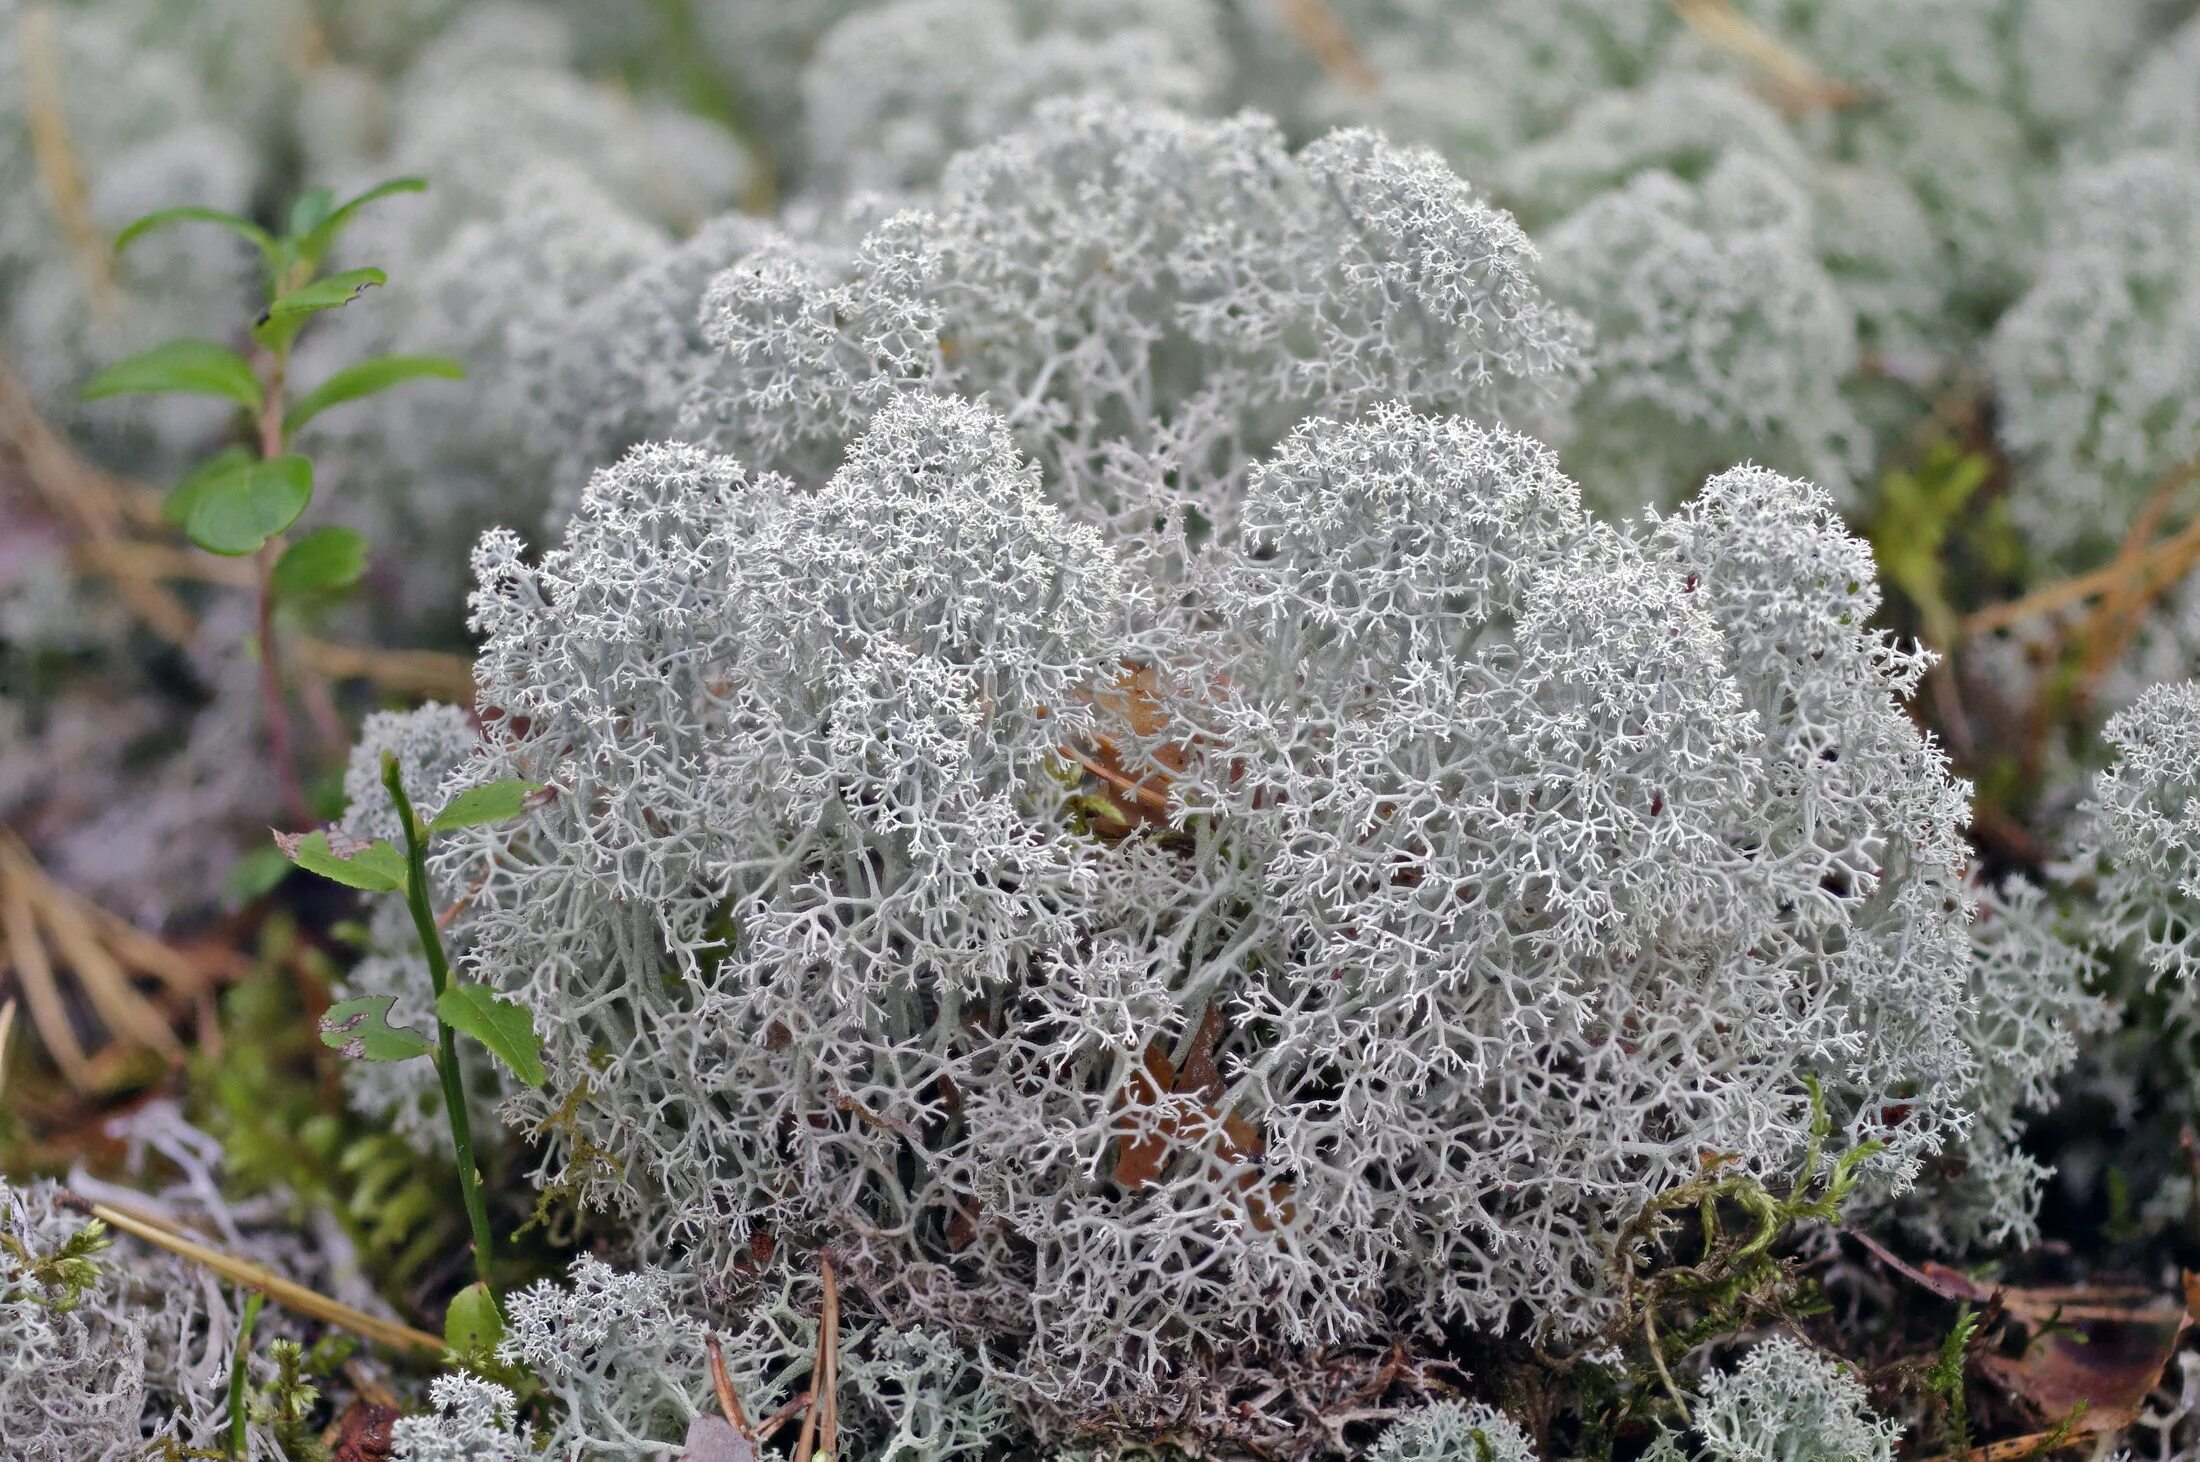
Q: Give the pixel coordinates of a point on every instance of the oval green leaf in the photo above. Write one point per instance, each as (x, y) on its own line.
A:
(193, 367)
(322, 562)
(503, 1026)
(491, 802)
(361, 1029)
(185, 495)
(253, 876)
(332, 293)
(376, 867)
(364, 378)
(235, 513)
(473, 1325)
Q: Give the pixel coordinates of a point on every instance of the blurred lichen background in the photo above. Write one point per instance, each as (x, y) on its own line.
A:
(1425, 730)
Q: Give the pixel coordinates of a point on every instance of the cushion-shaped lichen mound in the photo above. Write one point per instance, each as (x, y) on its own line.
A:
(1784, 1403)
(1454, 870)
(1151, 301)
(2094, 365)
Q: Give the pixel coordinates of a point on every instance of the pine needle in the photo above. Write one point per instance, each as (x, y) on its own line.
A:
(292, 1296)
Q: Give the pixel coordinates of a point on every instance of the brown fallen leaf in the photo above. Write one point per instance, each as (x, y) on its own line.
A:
(2099, 1347)
(364, 1433)
(2109, 1366)
(1147, 1138)
(1143, 1146)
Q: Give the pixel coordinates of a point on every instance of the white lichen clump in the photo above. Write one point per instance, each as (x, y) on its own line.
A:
(621, 1367)
(1150, 301)
(2094, 366)
(1785, 1403)
(1453, 1432)
(141, 1355)
(1452, 777)
(2146, 813)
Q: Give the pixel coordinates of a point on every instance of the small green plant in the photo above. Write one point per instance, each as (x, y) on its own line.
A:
(361, 1029)
(286, 1404)
(240, 1369)
(286, 1130)
(1945, 1379)
(1729, 1273)
(1916, 511)
(64, 1275)
(243, 499)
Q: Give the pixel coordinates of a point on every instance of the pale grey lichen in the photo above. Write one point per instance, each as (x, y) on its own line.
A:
(1452, 1431)
(142, 1355)
(1786, 1403)
(2146, 821)
(473, 1421)
(1719, 335)
(2032, 1000)
(897, 89)
(1455, 778)
(622, 1371)
(1149, 300)
(2093, 367)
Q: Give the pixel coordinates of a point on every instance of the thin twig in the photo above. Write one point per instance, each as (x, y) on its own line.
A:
(829, 1428)
(820, 1421)
(805, 1441)
(55, 158)
(728, 1402)
(1324, 37)
(1793, 82)
(104, 981)
(782, 1416)
(2014, 1449)
(1657, 1358)
(49, 1017)
(2172, 554)
(76, 492)
(1151, 798)
(290, 1295)
(2115, 620)
(40, 920)
(400, 672)
(7, 1028)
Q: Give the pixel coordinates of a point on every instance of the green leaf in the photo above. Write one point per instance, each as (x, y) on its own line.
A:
(322, 562)
(309, 210)
(254, 875)
(184, 496)
(195, 367)
(361, 1029)
(492, 802)
(316, 243)
(243, 228)
(473, 1325)
(376, 867)
(235, 513)
(332, 293)
(364, 378)
(501, 1025)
